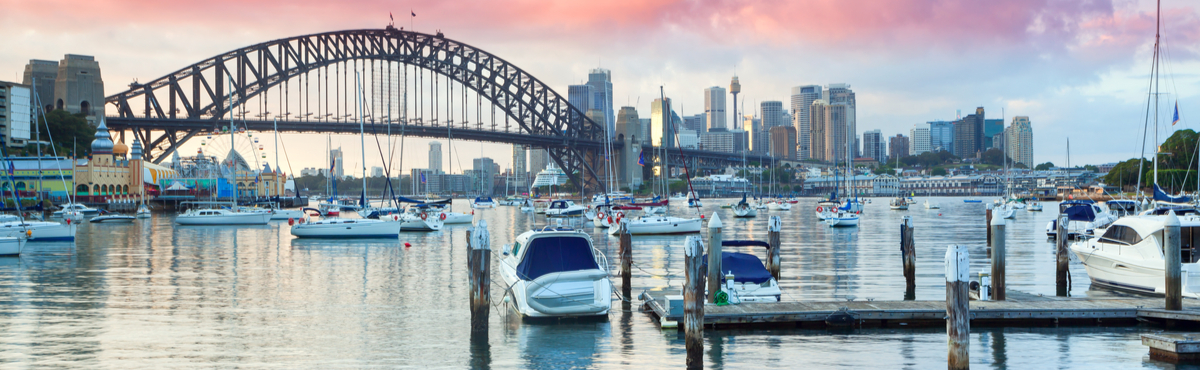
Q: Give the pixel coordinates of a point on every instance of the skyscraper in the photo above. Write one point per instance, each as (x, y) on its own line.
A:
(968, 135)
(941, 136)
(581, 97)
(760, 138)
(335, 155)
(842, 94)
(485, 174)
(697, 123)
(520, 166)
(660, 129)
(873, 146)
(772, 114)
(839, 132)
(817, 125)
(435, 157)
(601, 82)
(714, 108)
(897, 147)
(1020, 141)
(538, 160)
(783, 142)
(991, 128)
(802, 99)
(629, 132)
(920, 139)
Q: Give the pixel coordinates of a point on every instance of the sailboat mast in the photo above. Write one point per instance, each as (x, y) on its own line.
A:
(276, 127)
(1154, 75)
(362, 142)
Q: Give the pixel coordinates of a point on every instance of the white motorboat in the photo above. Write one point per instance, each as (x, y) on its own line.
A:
(414, 219)
(556, 272)
(11, 245)
(142, 212)
(564, 208)
(221, 217)
(841, 219)
(929, 205)
(650, 225)
(113, 218)
(346, 228)
(751, 281)
(898, 204)
(75, 207)
(1084, 217)
(1129, 254)
(483, 203)
(38, 231)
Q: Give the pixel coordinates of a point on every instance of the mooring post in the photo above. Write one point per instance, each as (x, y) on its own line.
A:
(1061, 256)
(988, 222)
(626, 259)
(1172, 259)
(908, 251)
(693, 302)
(998, 262)
(774, 226)
(479, 262)
(958, 315)
(714, 257)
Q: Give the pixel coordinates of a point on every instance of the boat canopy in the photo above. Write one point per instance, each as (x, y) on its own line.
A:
(1080, 213)
(483, 199)
(551, 254)
(414, 201)
(1062, 207)
(745, 267)
(1162, 196)
(745, 243)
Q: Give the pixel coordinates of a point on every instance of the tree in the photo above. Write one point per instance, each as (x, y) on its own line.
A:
(938, 172)
(68, 130)
(1125, 173)
(1092, 168)
(1044, 166)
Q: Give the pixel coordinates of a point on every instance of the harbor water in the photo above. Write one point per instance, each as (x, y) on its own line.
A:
(153, 294)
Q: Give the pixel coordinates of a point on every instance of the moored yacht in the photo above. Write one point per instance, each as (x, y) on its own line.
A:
(654, 224)
(415, 219)
(38, 231)
(11, 245)
(483, 203)
(841, 218)
(199, 216)
(556, 272)
(1128, 255)
(75, 207)
(1083, 217)
(751, 280)
(564, 208)
(898, 204)
(346, 228)
(744, 209)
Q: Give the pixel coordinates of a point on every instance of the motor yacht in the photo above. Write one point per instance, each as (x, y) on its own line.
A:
(1034, 207)
(201, 216)
(38, 231)
(1128, 255)
(556, 272)
(1083, 218)
(346, 228)
(751, 282)
(564, 208)
(75, 207)
(483, 203)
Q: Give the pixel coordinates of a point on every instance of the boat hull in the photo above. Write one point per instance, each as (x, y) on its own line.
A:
(11, 246)
(286, 214)
(112, 219)
(663, 225)
(41, 231)
(355, 230)
(238, 219)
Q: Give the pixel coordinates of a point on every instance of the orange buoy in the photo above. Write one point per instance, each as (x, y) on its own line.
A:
(406, 245)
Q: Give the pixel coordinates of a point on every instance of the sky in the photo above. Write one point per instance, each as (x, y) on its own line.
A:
(1079, 69)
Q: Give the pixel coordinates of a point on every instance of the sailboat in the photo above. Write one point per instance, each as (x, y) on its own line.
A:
(846, 214)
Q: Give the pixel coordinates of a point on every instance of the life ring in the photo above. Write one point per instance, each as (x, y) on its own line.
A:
(600, 215)
(424, 216)
(443, 217)
(620, 215)
(820, 209)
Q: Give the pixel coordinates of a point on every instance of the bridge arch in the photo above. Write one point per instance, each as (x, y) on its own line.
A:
(198, 93)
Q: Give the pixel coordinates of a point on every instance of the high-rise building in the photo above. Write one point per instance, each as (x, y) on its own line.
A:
(818, 128)
(485, 174)
(376, 171)
(697, 123)
(601, 82)
(783, 142)
(520, 167)
(660, 129)
(873, 146)
(941, 136)
(839, 137)
(15, 113)
(721, 141)
(897, 147)
(538, 160)
(920, 139)
(714, 108)
(772, 114)
(802, 99)
(629, 133)
(581, 97)
(335, 155)
(1020, 141)
(760, 138)
(968, 135)
(991, 128)
(435, 157)
(842, 94)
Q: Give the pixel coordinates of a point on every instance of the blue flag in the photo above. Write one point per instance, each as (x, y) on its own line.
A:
(1175, 119)
(422, 177)
(413, 13)
(642, 159)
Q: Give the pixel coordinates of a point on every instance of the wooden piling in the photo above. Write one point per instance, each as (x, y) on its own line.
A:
(998, 261)
(693, 302)
(479, 262)
(958, 315)
(626, 259)
(714, 257)
(1172, 259)
(774, 226)
(908, 251)
(988, 222)
(1062, 259)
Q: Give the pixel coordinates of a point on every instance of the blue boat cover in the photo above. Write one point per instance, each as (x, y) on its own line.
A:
(483, 199)
(1080, 213)
(745, 267)
(414, 201)
(547, 255)
(1161, 195)
(745, 243)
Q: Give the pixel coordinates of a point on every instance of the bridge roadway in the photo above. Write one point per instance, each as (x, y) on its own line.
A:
(701, 158)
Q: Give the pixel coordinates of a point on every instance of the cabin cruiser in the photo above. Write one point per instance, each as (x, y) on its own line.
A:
(1083, 217)
(1122, 207)
(37, 231)
(416, 219)
(564, 208)
(899, 204)
(197, 216)
(745, 278)
(556, 272)
(346, 228)
(652, 224)
(144, 212)
(75, 207)
(329, 209)
(1128, 255)
(483, 202)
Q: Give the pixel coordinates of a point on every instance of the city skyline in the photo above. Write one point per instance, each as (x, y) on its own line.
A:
(1076, 70)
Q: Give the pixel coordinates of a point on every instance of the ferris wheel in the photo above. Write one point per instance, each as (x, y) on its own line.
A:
(220, 141)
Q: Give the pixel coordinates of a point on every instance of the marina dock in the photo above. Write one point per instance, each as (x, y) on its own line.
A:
(1020, 310)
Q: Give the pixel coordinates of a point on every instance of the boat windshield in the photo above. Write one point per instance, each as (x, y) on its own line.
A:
(1121, 235)
(548, 255)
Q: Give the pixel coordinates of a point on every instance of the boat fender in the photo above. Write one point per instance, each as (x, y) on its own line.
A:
(424, 216)
(28, 233)
(395, 217)
(291, 221)
(820, 209)
(840, 319)
(443, 217)
(68, 221)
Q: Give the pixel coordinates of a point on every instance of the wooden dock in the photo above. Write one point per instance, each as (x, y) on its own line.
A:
(1020, 310)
